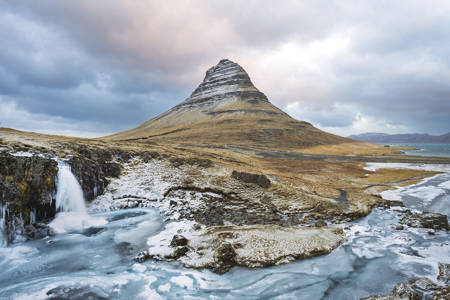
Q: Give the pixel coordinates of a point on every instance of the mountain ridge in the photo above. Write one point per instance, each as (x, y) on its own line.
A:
(376, 137)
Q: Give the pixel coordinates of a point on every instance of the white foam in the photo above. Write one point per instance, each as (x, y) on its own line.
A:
(68, 221)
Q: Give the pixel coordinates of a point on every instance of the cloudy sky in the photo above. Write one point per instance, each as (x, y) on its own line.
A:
(91, 68)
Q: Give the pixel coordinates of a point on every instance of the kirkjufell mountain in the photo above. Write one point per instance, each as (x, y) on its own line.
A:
(227, 109)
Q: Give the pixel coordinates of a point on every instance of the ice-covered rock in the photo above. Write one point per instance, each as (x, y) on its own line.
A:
(222, 247)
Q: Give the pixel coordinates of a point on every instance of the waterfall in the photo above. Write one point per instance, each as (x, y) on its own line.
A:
(69, 196)
(3, 240)
(70, 202)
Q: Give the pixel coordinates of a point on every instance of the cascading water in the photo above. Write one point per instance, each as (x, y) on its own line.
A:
(69, 196)
(3, 210)
(70, 202)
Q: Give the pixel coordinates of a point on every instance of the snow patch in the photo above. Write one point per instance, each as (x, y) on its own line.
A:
(139, 268)
(183, 281)
(164, 287)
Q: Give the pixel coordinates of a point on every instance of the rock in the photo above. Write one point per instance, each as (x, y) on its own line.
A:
(396, 226)
(225, 258)
(176, 162)
(405, 291)
(41, 225)
(27, 185)
(431, 232)
(261, 180)
(422, 288)
(249, 178)
(141, 257)
(125, 156)
(426, 284)
(180, 251)
(426, 220)
(91, 174)
(444, 270)
(178, 240)
(320, 223)
(196, 226)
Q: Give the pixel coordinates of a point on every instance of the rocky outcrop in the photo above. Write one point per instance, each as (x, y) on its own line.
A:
(27, 186)
(220, 248)
(260, 180)
(422, 288)
(27, 181)
(226, 80)
(225, 258)
(426, 220)
(92, 167)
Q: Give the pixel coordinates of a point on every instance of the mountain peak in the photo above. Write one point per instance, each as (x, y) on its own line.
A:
(225, 81)
(227, 109)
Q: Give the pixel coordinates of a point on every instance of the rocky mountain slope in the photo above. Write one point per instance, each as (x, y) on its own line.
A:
(374, 137)
(226, 109)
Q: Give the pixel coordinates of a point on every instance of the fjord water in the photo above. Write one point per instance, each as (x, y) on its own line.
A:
(424, 149)
(96, 262)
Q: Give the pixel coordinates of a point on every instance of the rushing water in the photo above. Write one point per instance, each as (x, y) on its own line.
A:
(424, 149)
(95, 260)
(71, 204)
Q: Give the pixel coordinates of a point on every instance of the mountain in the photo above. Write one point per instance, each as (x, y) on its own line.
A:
(227, 109)
(373, 137)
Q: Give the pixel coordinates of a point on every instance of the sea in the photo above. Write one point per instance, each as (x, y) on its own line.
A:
(424, 149)
(97, 262)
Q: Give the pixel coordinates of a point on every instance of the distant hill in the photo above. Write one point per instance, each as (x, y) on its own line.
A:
(227, 109)
(374, 137)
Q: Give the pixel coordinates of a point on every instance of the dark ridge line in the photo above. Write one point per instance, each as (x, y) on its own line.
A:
(165, 133)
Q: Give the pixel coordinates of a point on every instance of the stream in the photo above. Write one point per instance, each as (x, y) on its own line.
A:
(95, 260)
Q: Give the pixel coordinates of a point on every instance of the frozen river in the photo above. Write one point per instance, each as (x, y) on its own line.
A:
(97, 262)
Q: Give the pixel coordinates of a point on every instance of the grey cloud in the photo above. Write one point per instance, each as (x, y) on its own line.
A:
(98, 62)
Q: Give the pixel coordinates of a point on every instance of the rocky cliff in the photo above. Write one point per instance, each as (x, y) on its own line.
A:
(226, 109)
(28, 185)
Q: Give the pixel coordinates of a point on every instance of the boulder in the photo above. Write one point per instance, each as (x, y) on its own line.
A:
(260, 180)
(263, 181)
(141, 257)
(426, 220)
(249, 178)
(225, 258)
(444, 270)
(178, 240)
(422, 288)
(180, 251)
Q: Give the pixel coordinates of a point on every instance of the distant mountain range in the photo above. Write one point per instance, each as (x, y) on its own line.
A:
(374, 137)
